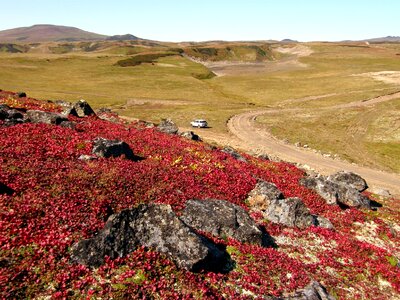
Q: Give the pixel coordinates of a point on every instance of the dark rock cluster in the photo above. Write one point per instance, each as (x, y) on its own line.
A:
(268, 199)
(342, 188)
(156, 227)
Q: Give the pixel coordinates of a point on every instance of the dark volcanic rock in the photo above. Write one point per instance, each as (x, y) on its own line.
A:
(81, 109)
(4, 111)
(289, 212)
(14, 114)
(313, 291)
(232, 152)
(223, 219)
(261, 196)
(342, 188)
(167, 126)
(190, 135)
(107, 148)
(5, 189)
(349, 179)
(153, 226)
(21, 94)
(351, 197)
(38, 116)
(326, 189)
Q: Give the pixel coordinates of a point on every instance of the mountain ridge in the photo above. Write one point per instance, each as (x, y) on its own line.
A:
(48, 33)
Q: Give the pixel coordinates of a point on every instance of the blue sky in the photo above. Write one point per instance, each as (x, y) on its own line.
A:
(199, 20)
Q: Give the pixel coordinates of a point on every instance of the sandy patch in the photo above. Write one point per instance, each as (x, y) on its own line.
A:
(135, 102)
(298, 50)
(391, 77)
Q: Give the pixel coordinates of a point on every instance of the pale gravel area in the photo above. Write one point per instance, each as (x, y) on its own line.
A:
(391, 77)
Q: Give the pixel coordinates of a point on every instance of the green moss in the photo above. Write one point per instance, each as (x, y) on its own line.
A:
(393, 261)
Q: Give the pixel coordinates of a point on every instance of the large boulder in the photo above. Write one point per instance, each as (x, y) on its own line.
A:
(81, 109)
(262, 195)
(112, 148)
(4, 189)
(223, 219)
(232, 152)
(168, 126)
(326, 189)
(342, 188)
(153, 226)
(38, 116)
(349, 179)
(290, 212)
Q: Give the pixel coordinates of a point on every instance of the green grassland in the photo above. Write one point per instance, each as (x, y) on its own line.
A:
(163, 82)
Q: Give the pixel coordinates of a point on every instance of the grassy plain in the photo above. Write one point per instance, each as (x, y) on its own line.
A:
(171, 87)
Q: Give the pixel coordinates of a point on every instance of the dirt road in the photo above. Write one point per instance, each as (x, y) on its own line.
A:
(248, 135)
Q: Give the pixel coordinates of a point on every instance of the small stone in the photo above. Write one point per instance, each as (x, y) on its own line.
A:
(190, 135)
(87, 157)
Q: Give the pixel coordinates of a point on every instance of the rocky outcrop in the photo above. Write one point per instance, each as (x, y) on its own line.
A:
(313, 291)
(14, 114)
(342, 188)
(290, 212)
(81, 109)
(4, 189)
(38, 116)
(167, 126)
(10, 116)
(267, 199)
(223, 219)
(232, 152)
(349, 179)
(190, 135)
(112, 148)
(156, 227)
(262, 195)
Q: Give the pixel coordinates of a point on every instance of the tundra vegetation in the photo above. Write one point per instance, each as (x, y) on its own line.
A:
(67, 181)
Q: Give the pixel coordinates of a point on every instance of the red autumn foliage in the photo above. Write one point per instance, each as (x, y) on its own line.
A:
(60, 199)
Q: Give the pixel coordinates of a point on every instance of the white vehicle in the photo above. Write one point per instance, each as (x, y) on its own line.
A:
(199, 123)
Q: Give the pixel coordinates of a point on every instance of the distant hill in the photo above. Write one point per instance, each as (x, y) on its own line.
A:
(289, 41)
(47, 33)
(387, 39)
(125, 37)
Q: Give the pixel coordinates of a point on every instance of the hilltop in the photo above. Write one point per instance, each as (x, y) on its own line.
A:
(94, 206)
(47, 33)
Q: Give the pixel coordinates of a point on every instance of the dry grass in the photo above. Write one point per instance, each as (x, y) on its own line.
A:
(160, 88)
